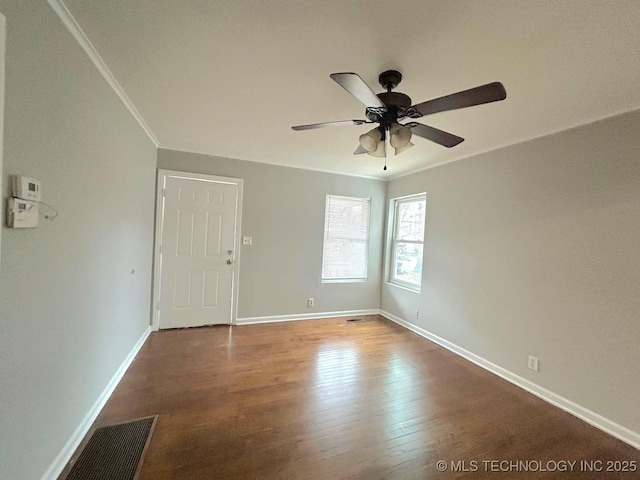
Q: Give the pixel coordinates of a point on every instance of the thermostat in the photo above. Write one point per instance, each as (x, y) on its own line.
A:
(26, 188)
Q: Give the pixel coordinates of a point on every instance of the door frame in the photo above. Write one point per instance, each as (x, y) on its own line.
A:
(157, 258)
(3, 56)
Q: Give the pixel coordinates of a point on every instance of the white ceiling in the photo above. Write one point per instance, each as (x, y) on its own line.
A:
(230, 77)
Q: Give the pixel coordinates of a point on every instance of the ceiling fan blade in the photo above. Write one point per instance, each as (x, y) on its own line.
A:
(438, 136)
(357, 87)
(491, 92)
(360, 150)
(341, 123)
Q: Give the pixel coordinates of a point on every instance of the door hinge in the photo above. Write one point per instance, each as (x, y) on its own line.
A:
(158, 305)
(160, 249)
(164, 191)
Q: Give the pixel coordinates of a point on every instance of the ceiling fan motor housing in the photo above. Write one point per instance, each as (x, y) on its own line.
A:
(396, 104)
(395, 99)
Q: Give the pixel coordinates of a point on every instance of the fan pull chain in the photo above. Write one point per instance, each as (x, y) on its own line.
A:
(385, 160)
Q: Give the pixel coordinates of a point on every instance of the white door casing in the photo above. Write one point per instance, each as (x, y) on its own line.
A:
(197, 246)
(2, 64)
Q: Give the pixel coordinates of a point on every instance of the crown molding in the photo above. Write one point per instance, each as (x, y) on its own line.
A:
(74, 28)
(181, 149)
(516, 142)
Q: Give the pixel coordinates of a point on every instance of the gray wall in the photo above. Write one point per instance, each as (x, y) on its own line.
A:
(2, 57)
(283, 210)
(534, 249)
(70, 307)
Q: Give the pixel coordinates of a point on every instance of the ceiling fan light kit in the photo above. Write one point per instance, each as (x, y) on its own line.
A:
(388, 108)
(369, 140)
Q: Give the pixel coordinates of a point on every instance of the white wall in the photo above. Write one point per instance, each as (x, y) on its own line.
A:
(283, 210)
(534, 249)
(71, 305)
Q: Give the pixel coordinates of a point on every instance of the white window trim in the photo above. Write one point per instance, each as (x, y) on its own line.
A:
(343, 280)
(366, 266)
(393, 241)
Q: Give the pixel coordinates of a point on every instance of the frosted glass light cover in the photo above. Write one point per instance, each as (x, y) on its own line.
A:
(400, 137)
(380, 151)
(369, 140)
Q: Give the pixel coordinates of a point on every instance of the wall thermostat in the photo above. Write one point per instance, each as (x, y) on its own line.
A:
(26, 188)
(22, 213)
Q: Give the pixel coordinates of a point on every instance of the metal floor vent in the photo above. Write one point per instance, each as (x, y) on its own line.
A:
(115, 452)
(355, 320)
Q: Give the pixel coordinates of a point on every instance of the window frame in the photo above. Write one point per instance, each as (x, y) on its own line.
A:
(366, 242)
(395, 204)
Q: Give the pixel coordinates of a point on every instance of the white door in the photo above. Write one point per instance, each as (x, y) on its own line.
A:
(198, 241)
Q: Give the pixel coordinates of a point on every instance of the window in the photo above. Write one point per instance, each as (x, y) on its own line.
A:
(407, 240)
(346, 239)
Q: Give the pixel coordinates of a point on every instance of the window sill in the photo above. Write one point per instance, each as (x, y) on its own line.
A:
(344, 280)
(405, 287)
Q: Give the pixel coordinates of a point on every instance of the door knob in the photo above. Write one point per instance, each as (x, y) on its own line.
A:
(230, 262)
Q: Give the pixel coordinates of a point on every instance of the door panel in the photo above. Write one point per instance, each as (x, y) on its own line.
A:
(211, 289)
(198, 242)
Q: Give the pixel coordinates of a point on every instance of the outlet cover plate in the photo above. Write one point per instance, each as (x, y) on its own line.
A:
(533, 363)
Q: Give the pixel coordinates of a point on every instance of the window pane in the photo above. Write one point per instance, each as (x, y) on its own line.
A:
(346, 233)
(408, 267)
(410, 220)
(347, 218)
(408, 240)
(344, 259)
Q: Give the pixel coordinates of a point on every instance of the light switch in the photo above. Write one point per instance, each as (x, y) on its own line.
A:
(247, 240)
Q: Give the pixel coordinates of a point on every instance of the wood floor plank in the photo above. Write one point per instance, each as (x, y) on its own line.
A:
(326, 399)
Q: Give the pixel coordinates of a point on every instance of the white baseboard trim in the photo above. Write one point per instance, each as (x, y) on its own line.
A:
(584, 414)
(304, 316)
(65, 454)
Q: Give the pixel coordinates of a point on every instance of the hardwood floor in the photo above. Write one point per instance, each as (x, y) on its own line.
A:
(326, 399)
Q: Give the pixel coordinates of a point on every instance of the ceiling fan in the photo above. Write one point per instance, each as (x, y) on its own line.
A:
(388, 108)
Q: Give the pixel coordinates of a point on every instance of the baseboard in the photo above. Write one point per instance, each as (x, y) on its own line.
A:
(584, 414)
(65, 454)
(304, 316)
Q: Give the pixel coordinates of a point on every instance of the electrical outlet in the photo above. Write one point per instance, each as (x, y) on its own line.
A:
(533, 363)
(417, 314)
(310, 302)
